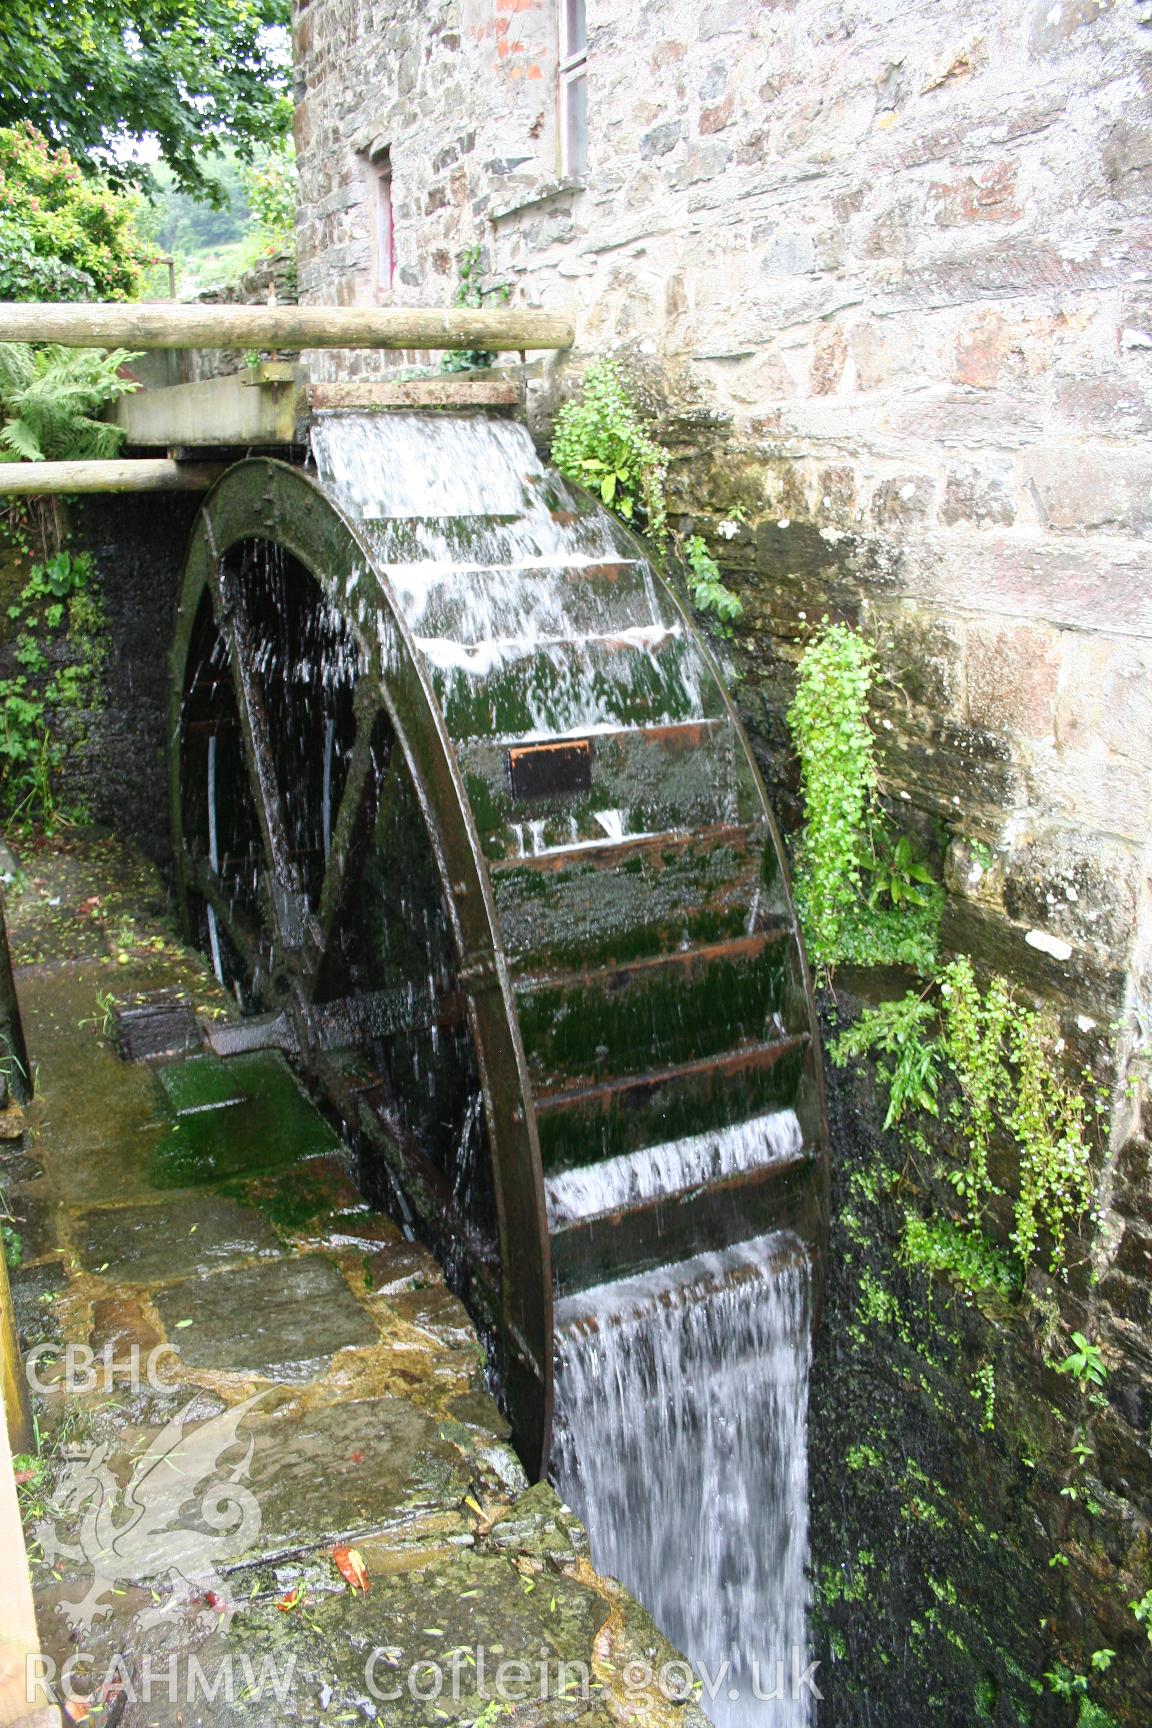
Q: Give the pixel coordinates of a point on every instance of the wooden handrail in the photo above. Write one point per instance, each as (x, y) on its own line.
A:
(166, 325)
(44, 479)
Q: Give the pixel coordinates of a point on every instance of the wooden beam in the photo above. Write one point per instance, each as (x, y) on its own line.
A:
(416, 393)
(170, 325)
(39, 479)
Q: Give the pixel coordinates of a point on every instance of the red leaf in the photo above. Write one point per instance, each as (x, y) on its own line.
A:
(356, 1457)
(22, 1476)
(350, 1565)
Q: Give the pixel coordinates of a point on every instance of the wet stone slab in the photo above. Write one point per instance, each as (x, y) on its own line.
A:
(35, 1290)
(200, 1083)
(36, 1219)
(284, 1320)
(235, 1118)
(176, 1238)
(348, 1469)
(444, 1627)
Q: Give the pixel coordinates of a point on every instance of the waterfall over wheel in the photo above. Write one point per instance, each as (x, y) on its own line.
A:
(463, 816)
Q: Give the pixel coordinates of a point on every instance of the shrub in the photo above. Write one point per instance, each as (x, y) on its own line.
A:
(64, 235)
(600, 443)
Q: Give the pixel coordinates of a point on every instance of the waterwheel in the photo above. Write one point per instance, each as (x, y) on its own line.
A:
(465, 819)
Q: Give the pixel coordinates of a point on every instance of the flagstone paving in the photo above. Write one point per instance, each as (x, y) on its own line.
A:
(288, 1375)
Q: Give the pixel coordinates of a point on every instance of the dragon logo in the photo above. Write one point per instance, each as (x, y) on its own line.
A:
(179, 1517)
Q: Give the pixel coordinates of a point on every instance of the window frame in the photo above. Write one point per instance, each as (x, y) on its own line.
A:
(571, 70)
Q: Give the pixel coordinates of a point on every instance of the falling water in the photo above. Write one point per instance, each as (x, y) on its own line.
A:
(681, 1441)
(658, 1172)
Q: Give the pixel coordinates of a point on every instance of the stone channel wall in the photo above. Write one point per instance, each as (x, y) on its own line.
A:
(880, 272)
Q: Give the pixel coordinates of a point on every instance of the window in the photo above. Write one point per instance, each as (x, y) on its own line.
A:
(384, 228)
(573, 87)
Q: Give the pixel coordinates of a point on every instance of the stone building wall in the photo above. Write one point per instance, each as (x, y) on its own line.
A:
(882, 271)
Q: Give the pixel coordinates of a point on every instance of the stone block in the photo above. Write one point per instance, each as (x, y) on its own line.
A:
(784, 251)
(1079, 487)
(1109, 794)
(661, 139)
(974, 496)
(1113, 405)
(923, 659)
(897, 232)
(951, 770)
(1012, 678)
(1082, 983)
(1096, 586)
(1001, 419)
(1134, 1255)
(902, 500)
(885, 351)
(1126, 158)
(989, 195)
(829, 353)
(1081, 886)
(1104, 705)
(981, 349)
(715, 119)
(1052, 25)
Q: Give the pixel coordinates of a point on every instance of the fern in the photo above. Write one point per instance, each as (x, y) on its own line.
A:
(50, 397)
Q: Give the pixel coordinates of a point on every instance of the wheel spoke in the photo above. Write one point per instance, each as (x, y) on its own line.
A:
(370, 778)
(370, 772)
(287, 903)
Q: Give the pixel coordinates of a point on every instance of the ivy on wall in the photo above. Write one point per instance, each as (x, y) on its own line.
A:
(978, 1059)
(59, 653)
(988, 1066)
(864, 894)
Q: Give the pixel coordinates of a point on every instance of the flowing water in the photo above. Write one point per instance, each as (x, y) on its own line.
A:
(682, 1443)
(658, 1172)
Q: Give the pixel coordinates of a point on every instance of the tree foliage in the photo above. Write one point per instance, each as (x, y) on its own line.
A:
(270, 184)
(193, 74)
(63, 236)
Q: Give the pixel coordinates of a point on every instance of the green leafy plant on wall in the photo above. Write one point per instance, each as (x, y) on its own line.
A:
(863, 892)
(49, 689)
(600, 443)
(709, 592)
(470, 291)
(49, 400)
(987, 1065)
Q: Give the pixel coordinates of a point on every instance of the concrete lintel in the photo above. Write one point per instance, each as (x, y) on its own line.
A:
(230, 411)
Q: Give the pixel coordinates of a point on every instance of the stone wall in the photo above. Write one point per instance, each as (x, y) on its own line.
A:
(880, 271)
(115, 748)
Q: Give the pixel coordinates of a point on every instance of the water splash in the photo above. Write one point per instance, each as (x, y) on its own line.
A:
(681, 1440)
(658, 1172)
